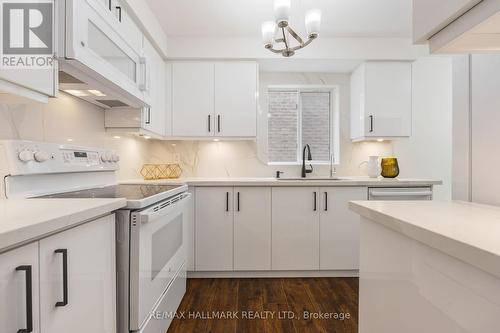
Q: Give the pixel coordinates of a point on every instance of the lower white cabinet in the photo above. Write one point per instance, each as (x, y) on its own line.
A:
(295, 233)
(339, 228)
(214, 229)
(19, 290)
(77, 279)
(233, 228)
(62, 283)
(252, 228)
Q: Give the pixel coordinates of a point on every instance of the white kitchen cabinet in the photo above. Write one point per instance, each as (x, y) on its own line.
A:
(125, 23)
(214, 99)
(428, 18)
(17, 268)
(193, 99)
(295, 230)
(86, 302)
(381, 100)
(154, 116)
(214, 228)
(252, 228)
(339, 228)
(236, 99)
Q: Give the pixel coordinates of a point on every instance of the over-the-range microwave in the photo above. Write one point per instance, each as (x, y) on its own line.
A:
(95, 62)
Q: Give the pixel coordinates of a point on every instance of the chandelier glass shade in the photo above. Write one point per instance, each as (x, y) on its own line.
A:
(280, 32)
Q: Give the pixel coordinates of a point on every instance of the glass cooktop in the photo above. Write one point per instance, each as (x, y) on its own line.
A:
(129, 192)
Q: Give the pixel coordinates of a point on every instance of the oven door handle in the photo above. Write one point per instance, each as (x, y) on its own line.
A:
(154, 213)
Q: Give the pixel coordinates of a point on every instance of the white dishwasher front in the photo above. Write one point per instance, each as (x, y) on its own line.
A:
(400, 193)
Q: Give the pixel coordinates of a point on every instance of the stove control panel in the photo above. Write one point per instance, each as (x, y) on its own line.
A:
(30, 157)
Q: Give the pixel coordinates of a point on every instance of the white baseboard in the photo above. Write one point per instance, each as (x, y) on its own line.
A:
(273, 274)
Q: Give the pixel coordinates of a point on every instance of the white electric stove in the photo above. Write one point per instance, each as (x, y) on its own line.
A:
(150, 231)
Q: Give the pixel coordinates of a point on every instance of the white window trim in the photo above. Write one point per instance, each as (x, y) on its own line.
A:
(334, 90)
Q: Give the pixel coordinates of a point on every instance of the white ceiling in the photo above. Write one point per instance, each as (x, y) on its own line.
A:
(242, 18)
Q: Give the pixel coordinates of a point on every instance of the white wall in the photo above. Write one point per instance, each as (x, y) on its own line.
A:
(428, 153)
(66, 118)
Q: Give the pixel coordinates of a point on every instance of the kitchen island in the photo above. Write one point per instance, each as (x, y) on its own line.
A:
(429, 266)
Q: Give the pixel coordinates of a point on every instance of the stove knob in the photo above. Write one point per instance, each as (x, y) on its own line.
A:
(26, 156)
(106, 157)
(116, 158)
(41, 156)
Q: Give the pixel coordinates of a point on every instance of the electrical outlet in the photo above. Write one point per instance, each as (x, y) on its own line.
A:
(177, 158)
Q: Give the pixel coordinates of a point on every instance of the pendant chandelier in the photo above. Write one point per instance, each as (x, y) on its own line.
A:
(279, 31)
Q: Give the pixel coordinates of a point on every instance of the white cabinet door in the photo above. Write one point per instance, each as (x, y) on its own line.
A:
(84, 301)
(214, 228)
(485, 134)
(193, 99)
(236, 99)
(381, 100)
(18, 309)
(295, 230)
(154, 90)
(252, 228)
(339, 228)
(388, 99)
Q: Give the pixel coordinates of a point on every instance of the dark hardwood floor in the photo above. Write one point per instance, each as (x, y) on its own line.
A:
(268, 305)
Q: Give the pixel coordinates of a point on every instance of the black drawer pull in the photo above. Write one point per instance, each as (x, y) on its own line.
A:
(29, 299)
(65, 277)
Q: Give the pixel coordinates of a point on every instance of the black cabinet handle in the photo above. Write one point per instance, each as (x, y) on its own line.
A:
(29, 299)
(119, 13)
(227, 201)
(209, 123)
(238, 195)
(218, 124)
(109, 4)
(315, 201)
(326, 201)
(371, 124)
(65, 276)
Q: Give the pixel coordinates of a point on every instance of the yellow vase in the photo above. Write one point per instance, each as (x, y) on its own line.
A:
(390, 167)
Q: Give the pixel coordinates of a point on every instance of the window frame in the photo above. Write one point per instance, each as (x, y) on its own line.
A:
(334, 91)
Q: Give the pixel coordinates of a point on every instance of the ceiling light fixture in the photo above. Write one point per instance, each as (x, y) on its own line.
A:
(282, 18)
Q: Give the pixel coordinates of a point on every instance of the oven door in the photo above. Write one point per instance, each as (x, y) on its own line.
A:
(157, 252)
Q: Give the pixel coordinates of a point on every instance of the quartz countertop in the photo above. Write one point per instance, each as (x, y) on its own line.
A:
(467, 231)
(25, 220)
(310, 181)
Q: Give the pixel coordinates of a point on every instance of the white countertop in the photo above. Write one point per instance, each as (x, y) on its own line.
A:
(24, 220)
(343, 181)
(467, 231)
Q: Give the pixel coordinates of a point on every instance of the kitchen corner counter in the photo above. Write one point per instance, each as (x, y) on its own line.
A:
(25, 220)
(467, 231)
(342, 181)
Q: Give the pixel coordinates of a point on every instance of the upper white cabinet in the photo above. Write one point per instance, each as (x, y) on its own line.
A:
(193, 99)
(295, 232)
(77, 276)
(235, 99)
(457, 26)
(381, 100)
(19, 287)
(154, 119)
(39, 81)
(214, 99)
